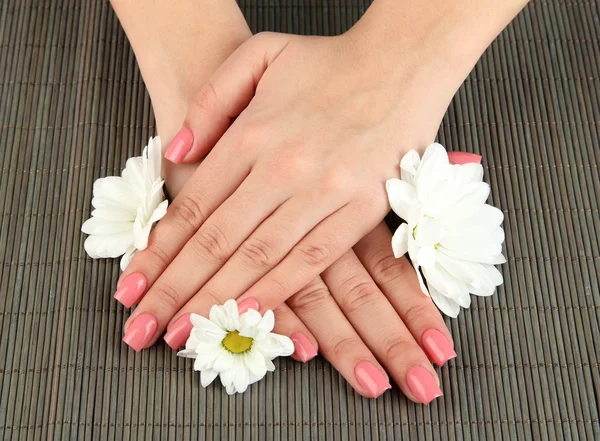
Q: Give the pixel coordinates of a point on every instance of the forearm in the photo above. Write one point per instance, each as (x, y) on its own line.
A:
(178, 45)
(441, 34)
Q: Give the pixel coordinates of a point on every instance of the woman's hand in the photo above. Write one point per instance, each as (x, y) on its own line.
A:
(297, 179)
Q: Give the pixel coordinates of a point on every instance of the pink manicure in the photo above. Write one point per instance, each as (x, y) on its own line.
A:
(179, 332)
(438, 347)
(304, 349)
(423, 385)
(371, 378)
(247, 304)
(140, 332)
(464, 158)
(180, 146)
(131, 289)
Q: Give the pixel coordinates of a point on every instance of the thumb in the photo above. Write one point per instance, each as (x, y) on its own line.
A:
(224, 96)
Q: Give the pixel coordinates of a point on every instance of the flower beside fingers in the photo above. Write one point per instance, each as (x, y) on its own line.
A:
(237, 349)
(451, 235)
(126, 207)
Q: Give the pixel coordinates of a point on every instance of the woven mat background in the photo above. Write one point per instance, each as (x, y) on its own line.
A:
(73, 107)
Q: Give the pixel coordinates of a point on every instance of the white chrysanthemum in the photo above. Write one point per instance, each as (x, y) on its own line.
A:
(450, 233)
(126, 207)
(237, 348)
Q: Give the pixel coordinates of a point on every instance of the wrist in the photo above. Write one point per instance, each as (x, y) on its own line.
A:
(439, 38)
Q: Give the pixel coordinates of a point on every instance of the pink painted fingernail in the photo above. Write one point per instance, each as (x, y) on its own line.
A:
(140, 332)
(247, 304)
(131, 289)
(422, 384)
(180, 146)
(303, 348)
(179, 332)
(371, 378)
(438, 347)
(464, 158)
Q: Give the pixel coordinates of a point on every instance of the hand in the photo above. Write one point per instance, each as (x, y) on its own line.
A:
(293, 184)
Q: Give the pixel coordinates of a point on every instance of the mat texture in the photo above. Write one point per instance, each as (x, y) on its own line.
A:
(73, 107)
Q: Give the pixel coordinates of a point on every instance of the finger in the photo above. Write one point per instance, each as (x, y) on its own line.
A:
(201, 196)
(260, 252)
(286, 323)
(316, 251)
(379, 326)
(206, 251)
(338, 341)
(223, 97)
(399, 283)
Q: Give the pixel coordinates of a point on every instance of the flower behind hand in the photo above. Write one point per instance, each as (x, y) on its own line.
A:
(126, 207)
(450, 233)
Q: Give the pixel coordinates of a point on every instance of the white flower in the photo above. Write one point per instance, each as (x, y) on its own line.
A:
(238, 349)
(450, 233)
(126, 207)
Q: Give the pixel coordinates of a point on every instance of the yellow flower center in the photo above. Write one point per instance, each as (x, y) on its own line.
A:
(236, 343)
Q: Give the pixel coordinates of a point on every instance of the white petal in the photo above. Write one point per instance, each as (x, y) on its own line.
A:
(445, 304)
(154, 152)
(402, 197)
(409, 166)
(223, 362)
(127, 257)
(116, 188)
(426, 256)
(134, 175)
(241, 379)
(187, 353)
(400, 241)
(102, 227)
(255, 362)
(207, 376)
(111, 246)
(159, 212)
(218, 316)
(140, 234)
(275, 345)
(200, 322)
(112, 214)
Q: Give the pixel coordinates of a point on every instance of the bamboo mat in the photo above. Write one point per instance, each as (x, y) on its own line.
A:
(73, 107)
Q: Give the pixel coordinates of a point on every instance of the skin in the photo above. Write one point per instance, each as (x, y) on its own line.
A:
(321, 129)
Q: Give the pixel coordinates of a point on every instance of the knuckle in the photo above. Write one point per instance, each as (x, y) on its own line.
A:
(395, 346)
(166, 296)
(206, 99)
(310, 298)
(314, 255)
(336, 180)
(417, 311)
(388, 269)
(155, 253)
(256, 253)
(358, 294)
(189, 211)
(210, 244)
(341, 347)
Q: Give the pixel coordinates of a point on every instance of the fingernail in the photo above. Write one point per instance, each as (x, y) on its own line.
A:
(438, 347)
(303, 348)
(179, 332)
(140, 332)
(371, 378)
(247, 304)
(464, 158)
(180, 146)
(131, 289)
(422, 384)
